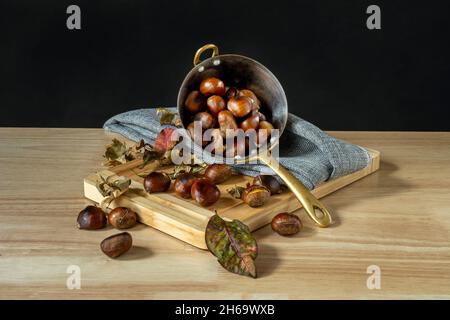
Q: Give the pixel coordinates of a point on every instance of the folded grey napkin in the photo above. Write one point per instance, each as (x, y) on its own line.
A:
(306, 151)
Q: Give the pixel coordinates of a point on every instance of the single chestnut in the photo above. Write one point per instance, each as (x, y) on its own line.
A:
(255, 196)
(251, 95)
(240, 106)
(232, 92)
(212, 86)
(116, 245)
(122, 218)
(286, 224)
(268, 181)
(206, 120)
(183, 184)
(205, 192)
(156, 182)
(218, 173)
(226, 121)
(215, 104)
(91, 218)
(195, 102)
(252, 122)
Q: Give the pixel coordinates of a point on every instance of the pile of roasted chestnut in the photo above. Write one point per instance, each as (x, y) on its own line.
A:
(93, 218)
(227, 109)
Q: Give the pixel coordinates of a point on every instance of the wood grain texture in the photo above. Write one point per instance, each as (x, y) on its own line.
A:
(185, 219)
(397, 218)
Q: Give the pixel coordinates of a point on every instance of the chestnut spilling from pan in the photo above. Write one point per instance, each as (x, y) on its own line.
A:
(244, 74)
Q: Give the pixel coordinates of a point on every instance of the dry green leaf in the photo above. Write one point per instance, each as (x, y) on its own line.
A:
(233, 245)
(236, 192)
(167, 117)
(115, 153)
(186, 168)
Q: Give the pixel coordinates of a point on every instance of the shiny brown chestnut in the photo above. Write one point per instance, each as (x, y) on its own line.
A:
(212, 86)
(116, 245)
(206, 120)
(286, 224)
(255, 196)
(195, 102)
(252, 122)
(251, 95)
(183, 184)
(268, 181)
(205, 192)
(91, 218)
(122, 218)
(218, 173)
(156, 182)
(240, 106)
(226, 121)
(215, 104)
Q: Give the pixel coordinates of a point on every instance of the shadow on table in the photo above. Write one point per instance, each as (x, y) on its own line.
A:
(136, 253)
(267, 260)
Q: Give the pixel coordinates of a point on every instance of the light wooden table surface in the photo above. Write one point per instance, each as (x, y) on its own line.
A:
(397, 219)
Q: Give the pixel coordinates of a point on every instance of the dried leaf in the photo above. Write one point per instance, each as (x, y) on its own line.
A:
(186, 168)
(236, 192)
(164, 140)
(233, 245)
(115, 153)
(167, 117)
(111, 189)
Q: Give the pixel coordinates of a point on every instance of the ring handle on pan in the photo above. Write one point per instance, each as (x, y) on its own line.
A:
(203, 49)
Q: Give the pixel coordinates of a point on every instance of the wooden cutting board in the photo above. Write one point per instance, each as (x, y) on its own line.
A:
(186, 220)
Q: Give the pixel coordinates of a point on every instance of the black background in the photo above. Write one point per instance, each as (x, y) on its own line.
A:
(129, 54)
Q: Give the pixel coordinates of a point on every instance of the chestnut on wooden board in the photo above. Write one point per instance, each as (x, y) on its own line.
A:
(156, 182)
(205, 192)
(183, 184)
(218, 173)
(212, 86)
(255, 196)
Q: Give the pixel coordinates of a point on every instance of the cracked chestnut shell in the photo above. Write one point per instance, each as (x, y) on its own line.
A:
(286, 224)
(268, 181)
(183, 184)
(122, 218)
(218, 173)
(156, 182)
(255, 196)
(116, 245)
(205, 192)
(91, 218)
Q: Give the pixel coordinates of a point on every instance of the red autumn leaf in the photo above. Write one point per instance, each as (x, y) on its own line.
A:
(166, 140)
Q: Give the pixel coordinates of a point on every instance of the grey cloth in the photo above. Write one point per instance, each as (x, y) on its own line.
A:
(310, 154)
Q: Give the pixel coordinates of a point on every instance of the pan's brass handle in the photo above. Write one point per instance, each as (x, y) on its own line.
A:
(203, 49)
(306, 198)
